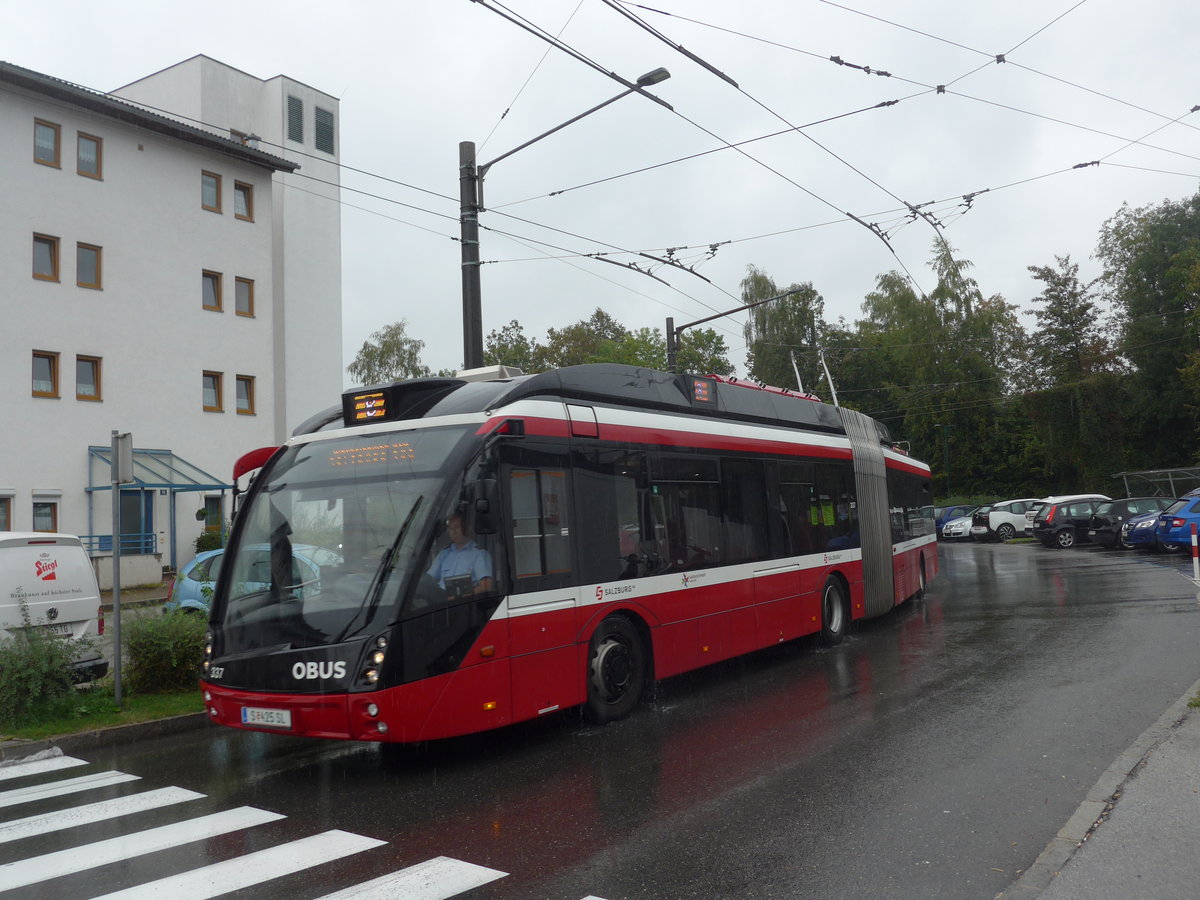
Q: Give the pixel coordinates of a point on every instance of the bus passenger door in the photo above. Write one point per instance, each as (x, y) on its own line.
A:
(542, 617)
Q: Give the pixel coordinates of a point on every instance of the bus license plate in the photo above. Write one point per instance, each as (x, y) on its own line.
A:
(270, 718)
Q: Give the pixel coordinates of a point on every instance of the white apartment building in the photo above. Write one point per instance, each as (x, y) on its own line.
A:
(170, 278)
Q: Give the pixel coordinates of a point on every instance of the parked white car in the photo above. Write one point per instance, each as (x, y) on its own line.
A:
(957, 529)
(1005, 520)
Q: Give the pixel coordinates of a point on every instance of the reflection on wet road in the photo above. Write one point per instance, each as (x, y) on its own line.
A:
(932, 754)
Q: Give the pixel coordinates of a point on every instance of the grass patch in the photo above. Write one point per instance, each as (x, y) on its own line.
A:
(90, 708)
(1194, 703)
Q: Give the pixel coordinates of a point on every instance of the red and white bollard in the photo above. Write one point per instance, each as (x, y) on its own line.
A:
(1195, 557)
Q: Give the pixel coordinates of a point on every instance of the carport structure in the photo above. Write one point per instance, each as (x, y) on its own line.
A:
(155, 473)
(1160, 482)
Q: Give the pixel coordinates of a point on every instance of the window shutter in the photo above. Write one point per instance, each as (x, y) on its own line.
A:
(295, 119)
(323, 129)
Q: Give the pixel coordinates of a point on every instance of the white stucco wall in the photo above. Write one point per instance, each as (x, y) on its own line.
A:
(146, 324)
(307, 217)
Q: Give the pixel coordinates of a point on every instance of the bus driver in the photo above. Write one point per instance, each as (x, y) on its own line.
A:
(463, 568)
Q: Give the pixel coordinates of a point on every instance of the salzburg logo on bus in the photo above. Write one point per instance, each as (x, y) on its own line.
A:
(46, 568)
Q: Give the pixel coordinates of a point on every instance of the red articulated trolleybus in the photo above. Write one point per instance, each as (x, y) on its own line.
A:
(443, 556)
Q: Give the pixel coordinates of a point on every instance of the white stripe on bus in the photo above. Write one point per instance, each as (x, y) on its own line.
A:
(251, 869)
(434, 879)
(639, 589)
(102, 853)
(65, 786)
(38, 767)
(60, 820)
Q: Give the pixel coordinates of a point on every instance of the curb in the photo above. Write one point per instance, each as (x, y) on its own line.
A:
(1090, 814)
(86, 741)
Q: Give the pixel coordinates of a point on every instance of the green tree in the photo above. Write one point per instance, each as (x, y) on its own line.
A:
(510, 347)
(782, 337)
(1068, 345)
(1152, 276)
(580, 343)
(702, 352)
(389, 355)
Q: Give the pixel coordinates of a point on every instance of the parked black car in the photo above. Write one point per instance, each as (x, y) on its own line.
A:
(1108, 518)
(1065, 521)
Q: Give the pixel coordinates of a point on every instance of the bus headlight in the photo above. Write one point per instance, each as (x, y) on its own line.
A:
(208, 651)
(371, 676)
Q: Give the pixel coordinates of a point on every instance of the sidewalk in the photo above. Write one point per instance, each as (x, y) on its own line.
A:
(141, 595)
(1135, 835)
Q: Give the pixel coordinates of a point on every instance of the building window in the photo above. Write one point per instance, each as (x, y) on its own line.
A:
(212, 517)
(90, 158)
(323, 129)
(210, 191)
(295, 119)
(45, 257)
(45, 515)
(46, 143)
(87, 266)
(244, 302)
(243, 200)
(211, 290)
(212, 392)
(87, 378)
(45, 374)
(5, 514)
(245, 395)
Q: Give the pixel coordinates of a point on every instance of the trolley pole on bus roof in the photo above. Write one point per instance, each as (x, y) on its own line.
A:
(674, 331)
(470, 196)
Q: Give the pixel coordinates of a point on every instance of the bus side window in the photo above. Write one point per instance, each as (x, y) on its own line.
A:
(797, 500)
(615, 532)
(686, 494)
(541, 534)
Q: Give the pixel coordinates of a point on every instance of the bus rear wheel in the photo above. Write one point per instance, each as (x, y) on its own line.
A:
(835, 614)
(616, 676)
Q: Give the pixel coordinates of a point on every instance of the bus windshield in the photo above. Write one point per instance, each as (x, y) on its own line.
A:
(328, 539)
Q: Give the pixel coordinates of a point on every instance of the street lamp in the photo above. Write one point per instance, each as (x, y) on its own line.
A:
(470, 194)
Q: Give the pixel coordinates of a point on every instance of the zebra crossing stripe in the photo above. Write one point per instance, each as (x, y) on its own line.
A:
(251, 869)
(434, 879)
(79, 859)
(93, 812)
(60, 788)
(38, 766)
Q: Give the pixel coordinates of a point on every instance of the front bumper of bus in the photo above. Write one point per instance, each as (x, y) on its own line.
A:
(472, 699)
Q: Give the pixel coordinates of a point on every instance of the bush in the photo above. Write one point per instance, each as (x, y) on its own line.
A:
(209, 540)
(35, 671)
(164, 652)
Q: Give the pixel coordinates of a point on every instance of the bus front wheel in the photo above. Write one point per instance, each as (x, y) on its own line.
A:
(616, 675)
(835, 613)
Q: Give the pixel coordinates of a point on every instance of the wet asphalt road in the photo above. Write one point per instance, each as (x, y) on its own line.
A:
(933, 754)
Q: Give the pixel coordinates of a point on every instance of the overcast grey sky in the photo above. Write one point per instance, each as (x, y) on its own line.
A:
(1097, 80)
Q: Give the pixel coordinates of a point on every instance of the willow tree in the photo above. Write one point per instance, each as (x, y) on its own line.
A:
(782, 337)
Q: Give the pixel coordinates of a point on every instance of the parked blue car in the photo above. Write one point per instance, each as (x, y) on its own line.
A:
(193, 587)
(1173, 529)
(1137, 532)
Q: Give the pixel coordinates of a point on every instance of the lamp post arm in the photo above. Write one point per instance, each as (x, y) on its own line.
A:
(483, 169)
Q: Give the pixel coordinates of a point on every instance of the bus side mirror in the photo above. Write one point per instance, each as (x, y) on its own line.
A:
(485, 505)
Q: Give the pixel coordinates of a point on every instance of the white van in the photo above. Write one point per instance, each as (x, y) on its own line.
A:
(55, 578)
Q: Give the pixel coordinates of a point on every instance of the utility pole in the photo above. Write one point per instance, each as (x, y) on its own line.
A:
(470, 199)
(472, 312)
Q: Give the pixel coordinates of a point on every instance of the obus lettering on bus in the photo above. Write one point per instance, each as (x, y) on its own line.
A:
(304, 670)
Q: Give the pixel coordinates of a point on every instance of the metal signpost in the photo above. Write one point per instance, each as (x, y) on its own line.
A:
(122, 473)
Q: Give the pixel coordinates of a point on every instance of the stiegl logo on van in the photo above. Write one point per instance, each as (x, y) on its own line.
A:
(46, 568)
